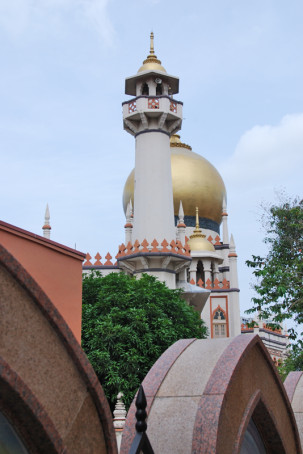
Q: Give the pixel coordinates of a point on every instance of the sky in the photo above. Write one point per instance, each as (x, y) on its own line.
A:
(63, 66)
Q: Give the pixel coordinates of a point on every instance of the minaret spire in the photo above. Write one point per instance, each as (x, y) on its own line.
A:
(152, 43)
(46, 227)
(181, 226)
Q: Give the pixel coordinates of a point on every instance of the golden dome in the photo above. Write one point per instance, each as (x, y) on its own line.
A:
(152, 63)
(197, 241)
(195, 180)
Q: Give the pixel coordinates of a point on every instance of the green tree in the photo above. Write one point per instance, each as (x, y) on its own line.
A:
(127, 324)
(294, 362)
(279, 274)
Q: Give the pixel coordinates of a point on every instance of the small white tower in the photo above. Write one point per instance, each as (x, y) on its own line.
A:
(46, 227)
(234, 289)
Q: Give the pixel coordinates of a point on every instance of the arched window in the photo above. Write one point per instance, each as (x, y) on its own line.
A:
(212, 267)
(159, 89)
(219, 323)
(252, 442)
(200, 272)
(10, 442)
(145, 89)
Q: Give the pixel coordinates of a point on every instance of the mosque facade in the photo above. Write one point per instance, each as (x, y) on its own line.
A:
(175, 206)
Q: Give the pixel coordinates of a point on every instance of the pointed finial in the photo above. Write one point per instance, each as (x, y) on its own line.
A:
(197, 219)
(46, 227)
(128, 211)
(197, 231)
(119, 412)
(197, 241)
(224, 206)
(47, 215)
(141, 414)
(152, 51)
(181, 212)
(232, 242)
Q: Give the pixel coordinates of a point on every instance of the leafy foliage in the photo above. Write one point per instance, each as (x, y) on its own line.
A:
(279, 275)
(294, 362)
(127, 324)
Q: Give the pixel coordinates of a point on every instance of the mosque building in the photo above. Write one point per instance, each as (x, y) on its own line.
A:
(175, 203)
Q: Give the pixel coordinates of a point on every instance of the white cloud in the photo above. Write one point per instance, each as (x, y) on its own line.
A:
(268, 155)
(19, 16)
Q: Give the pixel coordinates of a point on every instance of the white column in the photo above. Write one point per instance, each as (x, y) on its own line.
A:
(153, 198)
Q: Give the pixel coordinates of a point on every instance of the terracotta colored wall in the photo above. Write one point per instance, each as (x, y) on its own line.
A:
(56, 268)
(48, 389)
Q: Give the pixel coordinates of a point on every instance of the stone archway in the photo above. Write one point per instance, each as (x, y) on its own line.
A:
(202, 395)
(49, 392)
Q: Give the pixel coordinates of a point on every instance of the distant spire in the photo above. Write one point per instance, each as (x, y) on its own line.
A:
(119, 413)
(129, 225)
(197, 219)
(232, 243)
(152, 43)
(224, 221)
(129, 211)
(46, 227)
(181, 211)
(181, 226)
(224, 205)
(152, 57)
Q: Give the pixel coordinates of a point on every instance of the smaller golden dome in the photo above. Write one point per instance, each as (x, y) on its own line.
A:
(197, 241)
(151, 63)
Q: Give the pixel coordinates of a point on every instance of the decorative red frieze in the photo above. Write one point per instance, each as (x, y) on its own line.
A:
(132, 107)
(210, 239)
(98, 260)
(187, 250)
(129, 248)
(193, 282)
(208, 284)
(155, 245)
(200, 283)
(186, 239)
(108, 260)
(273, 330)
(122, 250)
(216, 284)
(217, 241)
(153, 103)
(180, 247)
(164, 245)
(144, 245)
(225, 284)
(136, 247)
(173, 247)
(87, 260)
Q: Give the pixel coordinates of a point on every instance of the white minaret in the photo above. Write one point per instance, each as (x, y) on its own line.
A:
(46, 227)
(152, 117)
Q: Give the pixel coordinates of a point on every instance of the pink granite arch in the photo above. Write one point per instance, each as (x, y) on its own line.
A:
(205, 396)
(294, 388)
(46, 373)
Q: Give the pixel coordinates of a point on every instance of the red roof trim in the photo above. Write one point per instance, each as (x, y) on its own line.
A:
(41, 239)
